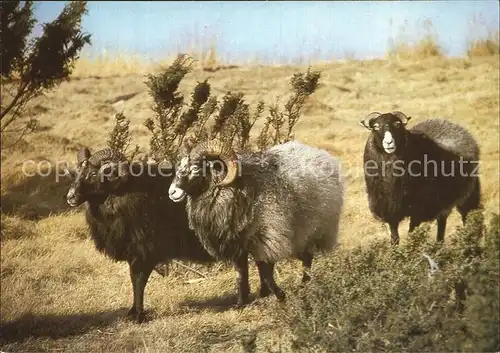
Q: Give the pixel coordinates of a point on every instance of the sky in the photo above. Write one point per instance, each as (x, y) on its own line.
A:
(280, 32)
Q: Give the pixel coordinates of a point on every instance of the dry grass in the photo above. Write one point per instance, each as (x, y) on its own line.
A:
(58, 293)
(424, 46)
(111, 65)
(120, 65)
(486, 46)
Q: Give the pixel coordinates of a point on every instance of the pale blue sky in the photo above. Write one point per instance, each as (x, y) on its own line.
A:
(275, 31)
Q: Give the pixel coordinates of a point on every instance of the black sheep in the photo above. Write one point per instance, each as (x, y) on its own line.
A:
(421, 173)
(131, 217)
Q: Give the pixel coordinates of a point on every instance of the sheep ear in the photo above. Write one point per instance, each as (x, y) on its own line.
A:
(83, 155)
(366, 121)
(363, 124)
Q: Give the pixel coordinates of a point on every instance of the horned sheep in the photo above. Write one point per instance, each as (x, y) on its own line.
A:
(422, 172)
(274, 204)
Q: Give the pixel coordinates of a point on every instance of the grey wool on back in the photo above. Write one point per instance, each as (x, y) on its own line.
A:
(450, 136)
(287, 201)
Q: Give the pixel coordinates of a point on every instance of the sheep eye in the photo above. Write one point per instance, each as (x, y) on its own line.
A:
(194, 169)
(397, 123)
(376, 126)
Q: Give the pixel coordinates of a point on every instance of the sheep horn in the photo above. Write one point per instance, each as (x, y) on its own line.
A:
(216, 148)
(106, 154)
(402, 116)
(366, 121)
(82, 155)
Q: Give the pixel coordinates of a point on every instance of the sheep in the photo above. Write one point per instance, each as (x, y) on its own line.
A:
(284, 202)
(421, 173)
(131, 218)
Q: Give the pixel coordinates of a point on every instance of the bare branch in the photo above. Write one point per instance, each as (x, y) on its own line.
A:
(190, 269)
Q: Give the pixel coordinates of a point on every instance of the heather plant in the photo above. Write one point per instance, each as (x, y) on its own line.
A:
(119, 138)
(235, 122)
(385, 298)
(177, 124)
(280, 123)
(167, 109)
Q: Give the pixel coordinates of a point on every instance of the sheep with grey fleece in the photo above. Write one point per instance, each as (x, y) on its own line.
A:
(279, 203)
(422, 172)
(131, 217)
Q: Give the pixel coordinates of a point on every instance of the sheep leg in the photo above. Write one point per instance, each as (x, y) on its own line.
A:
(441, 226)
(267, 270)
(139, 275)
(307, 259)
(472, 202)
(241, 265)
(265, 290)
(394, 233)
(133, 278)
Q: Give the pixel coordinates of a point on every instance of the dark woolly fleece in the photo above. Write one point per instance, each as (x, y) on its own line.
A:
(394, 194)
(139, 221)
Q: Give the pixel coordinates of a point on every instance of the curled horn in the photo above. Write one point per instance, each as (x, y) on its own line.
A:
(216, 148)
(108, 157)
(106, 154)
(82, 155)
(402, 116)
(366, 121)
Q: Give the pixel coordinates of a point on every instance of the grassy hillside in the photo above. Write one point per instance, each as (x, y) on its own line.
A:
(58, 293)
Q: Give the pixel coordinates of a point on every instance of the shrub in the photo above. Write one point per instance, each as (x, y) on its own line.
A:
(383, 298)
(31, 67)
(176, 124)
(425, 46)
(303, 85)
(485, 46)
(119, 138)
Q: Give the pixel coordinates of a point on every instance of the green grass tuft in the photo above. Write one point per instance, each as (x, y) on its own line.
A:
(382, 298)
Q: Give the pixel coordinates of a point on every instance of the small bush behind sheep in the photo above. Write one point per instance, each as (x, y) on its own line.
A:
(175, 124)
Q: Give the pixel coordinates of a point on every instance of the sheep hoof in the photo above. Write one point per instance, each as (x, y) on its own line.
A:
(132, 312)
(135, 316)
(140, 318)
(242, 302)
(280, 295)
(264, 292)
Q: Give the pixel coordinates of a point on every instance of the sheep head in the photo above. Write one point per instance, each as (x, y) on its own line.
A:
(206, 162)
(388, 129)
(98, 174)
